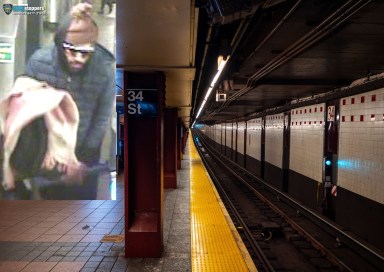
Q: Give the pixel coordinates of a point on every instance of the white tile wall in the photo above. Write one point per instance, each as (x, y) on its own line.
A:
(204, 129)
(234, 128)
(240, 137)
(274, 128)
(218, 133)
(254, 138)
(228, 132)
(210, 131)
(307, 141)
(361, 145)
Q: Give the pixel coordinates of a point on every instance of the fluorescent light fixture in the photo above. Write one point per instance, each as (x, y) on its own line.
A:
(203, 103)
(198, 113)
(221, 65)
(208, 92)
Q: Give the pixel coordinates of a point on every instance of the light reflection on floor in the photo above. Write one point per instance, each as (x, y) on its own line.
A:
(113, 185)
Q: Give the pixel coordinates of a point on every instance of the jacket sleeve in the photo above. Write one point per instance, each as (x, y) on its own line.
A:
(101, 119)
(30, 68)
(41, 64)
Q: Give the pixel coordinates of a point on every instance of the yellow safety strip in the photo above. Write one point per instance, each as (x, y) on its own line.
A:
(213, 247)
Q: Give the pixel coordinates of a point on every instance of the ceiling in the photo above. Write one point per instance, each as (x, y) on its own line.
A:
(159, 36)
(294, 49)
(279, 50)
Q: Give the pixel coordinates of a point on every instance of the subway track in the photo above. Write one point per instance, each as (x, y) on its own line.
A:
(280, 234)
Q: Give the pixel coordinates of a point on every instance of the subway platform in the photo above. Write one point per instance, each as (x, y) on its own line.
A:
(66, 235)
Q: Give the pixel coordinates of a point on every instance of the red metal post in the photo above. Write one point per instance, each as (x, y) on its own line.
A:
(179, 123)
(170, 148)
(143, 163)
(185, 137)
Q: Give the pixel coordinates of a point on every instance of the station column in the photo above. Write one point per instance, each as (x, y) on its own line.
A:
(184, 139)
(179, 128)
(143, 163)
(170, 148)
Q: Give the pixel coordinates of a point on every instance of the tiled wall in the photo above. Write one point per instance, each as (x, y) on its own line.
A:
(212, 132)
(240, 137)
(228, 132)
(234, 128)
(307, 138)
(254, 138)
(206, 130)
(361, 145)
(274, 127)
(218, 134)
(361, 142)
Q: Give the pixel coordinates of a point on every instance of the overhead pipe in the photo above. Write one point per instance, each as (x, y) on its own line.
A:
(234, 45)
(239, 33)
(206, 47)
(223, 20)
(273, 31)
(291, 52)
(313, 36)
(245, 12)
(285, 18)
(297, 47)
(319, 34)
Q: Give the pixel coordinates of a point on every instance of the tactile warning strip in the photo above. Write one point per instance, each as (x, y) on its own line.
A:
(213, 247)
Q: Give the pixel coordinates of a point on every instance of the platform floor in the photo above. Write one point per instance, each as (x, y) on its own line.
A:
(64, 236)
(216, 246)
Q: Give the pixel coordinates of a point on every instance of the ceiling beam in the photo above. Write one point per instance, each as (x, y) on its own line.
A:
(303, 82)
(295, 81)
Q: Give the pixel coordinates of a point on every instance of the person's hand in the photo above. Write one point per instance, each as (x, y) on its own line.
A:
(74, 173)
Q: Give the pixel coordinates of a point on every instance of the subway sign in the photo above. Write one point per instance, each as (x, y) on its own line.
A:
(141, 102)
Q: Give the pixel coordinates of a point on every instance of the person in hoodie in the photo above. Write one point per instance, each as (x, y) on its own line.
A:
(77, 63)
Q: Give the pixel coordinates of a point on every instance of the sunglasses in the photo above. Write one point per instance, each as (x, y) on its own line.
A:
(74, 49)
